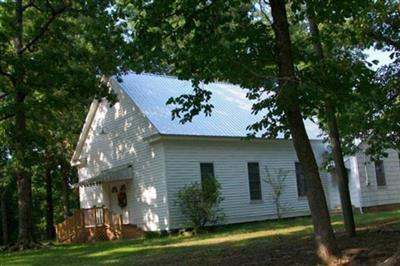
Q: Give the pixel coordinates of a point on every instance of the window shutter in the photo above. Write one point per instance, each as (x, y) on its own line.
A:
(254, 181)
(300, 179)
(207, 170)
(380, 173)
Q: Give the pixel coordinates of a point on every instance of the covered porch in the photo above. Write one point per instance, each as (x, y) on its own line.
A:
(109, 215)
(111, 189)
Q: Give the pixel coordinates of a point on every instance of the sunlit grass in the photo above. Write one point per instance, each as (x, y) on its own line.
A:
(199, 249)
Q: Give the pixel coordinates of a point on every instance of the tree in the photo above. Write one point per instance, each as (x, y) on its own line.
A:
(49, 200)
(57, 137)
(48, 46)
(325, 238)
(277, 184)
(6, 184)
(206, 41)
(333, 130)
(4, 219)
(66, 181)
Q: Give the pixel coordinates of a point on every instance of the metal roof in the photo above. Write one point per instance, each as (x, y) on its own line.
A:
(230, 117)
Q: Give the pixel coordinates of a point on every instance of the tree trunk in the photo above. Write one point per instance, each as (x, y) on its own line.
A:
(327, 248)
(65, 189)
(49, 205)
(278, 211)
(4, 220)
(334, 137)
(24, 181)
(341, 174)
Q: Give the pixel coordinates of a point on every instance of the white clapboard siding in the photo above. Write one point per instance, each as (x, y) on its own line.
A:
(230, 160)
(116, 138)
(163, 162)
(371, 194)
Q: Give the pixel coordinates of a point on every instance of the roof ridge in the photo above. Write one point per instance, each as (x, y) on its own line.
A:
(155, 75)
(176, 78)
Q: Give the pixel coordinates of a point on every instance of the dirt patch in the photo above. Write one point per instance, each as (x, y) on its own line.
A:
(370, 247)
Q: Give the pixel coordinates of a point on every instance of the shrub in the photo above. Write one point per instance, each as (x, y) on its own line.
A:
(199, 203)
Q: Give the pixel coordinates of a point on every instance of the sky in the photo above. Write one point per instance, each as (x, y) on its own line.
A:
(381, 56)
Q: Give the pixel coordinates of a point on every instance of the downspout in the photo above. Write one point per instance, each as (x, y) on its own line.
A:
(361, 201)
(367, 183)
(366, 171)
(366, 175)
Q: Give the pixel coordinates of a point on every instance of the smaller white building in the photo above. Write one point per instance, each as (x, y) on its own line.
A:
(371, 183)
(132, 158)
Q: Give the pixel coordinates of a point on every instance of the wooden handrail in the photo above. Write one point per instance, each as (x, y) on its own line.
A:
(87, 218)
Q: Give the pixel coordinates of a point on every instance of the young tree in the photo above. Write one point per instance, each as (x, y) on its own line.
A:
(4, 219)
(277, 183)
(334, 136)
(66, 182)
(48, 179)
(4, 186)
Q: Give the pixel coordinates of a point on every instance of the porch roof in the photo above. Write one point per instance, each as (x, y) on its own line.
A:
(122, 172)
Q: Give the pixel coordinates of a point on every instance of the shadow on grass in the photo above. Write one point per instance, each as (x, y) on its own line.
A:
(176, 250)
(267, 242)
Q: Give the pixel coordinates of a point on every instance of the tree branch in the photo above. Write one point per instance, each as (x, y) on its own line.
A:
(3, 73)
(380, 37)
(8, 75)
(6, 117)
(50, 6)
(31, 3)
(4, 95)
(44, 28)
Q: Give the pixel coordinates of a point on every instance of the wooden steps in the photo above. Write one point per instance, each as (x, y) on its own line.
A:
(130, 231)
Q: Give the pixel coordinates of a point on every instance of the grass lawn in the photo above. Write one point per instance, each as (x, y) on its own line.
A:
(286, 242)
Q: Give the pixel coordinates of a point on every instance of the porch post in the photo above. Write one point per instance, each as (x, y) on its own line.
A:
(95, 216)
(104, 215)
(82, 218)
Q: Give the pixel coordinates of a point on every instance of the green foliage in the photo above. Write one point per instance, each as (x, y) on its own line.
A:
(199, 203)
(368, 108)
(51, 67)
